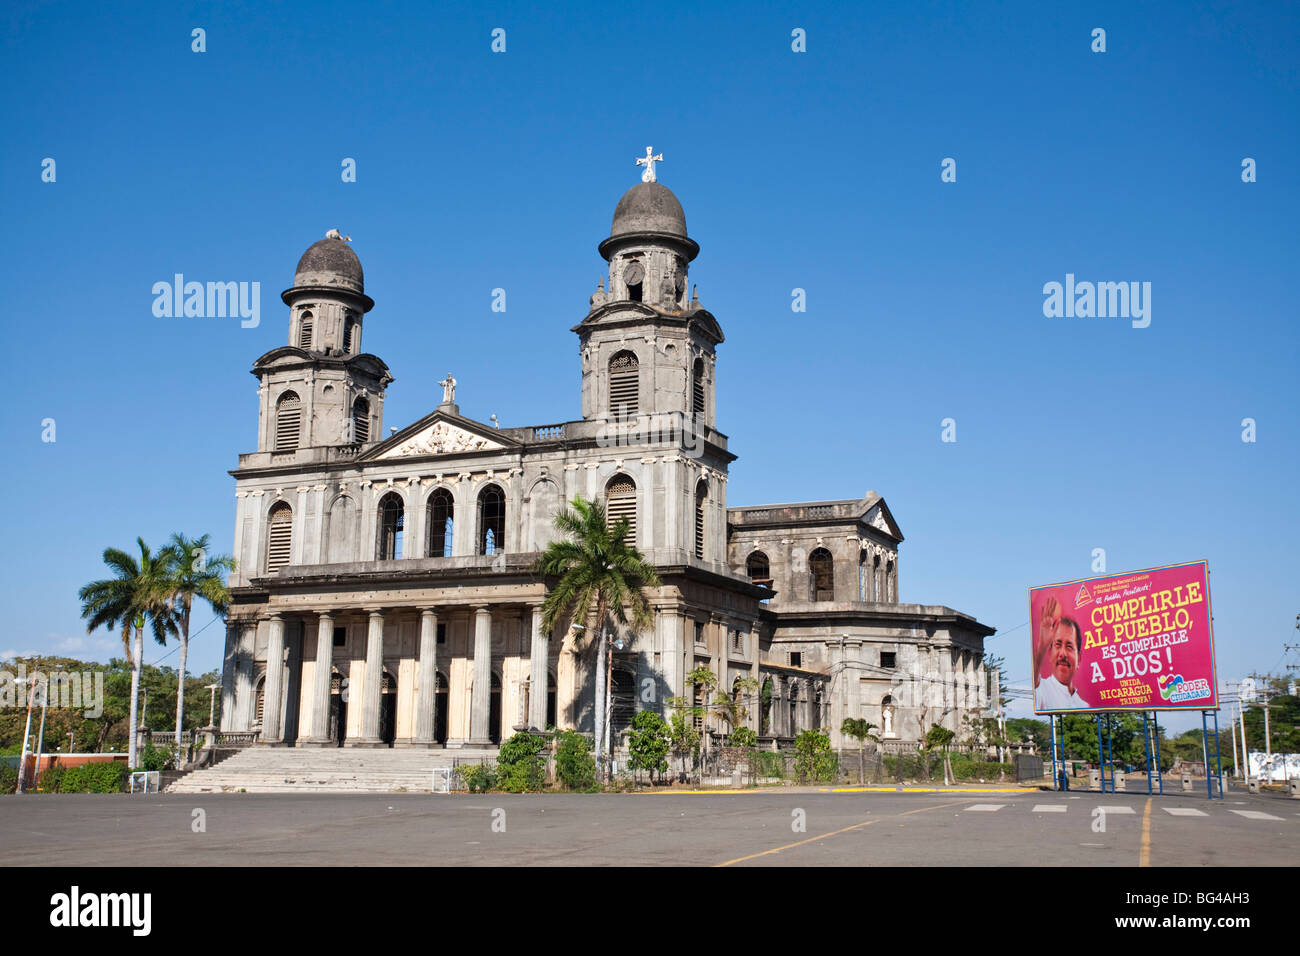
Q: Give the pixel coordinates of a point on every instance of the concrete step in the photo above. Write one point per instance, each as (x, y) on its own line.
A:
(324, 770)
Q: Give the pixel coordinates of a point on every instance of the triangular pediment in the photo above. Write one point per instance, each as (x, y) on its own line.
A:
(878, 517)
(440, 434)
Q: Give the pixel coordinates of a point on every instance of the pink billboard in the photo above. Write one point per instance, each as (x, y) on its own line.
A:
(1136, 641)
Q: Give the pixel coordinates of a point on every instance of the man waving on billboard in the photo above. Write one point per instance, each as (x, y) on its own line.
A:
(1059, 641)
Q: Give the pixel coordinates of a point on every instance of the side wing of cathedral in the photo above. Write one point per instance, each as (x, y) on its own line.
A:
(384, 595)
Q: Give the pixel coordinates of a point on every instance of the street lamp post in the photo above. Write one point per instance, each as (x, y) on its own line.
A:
(40, 739)
(27, 729)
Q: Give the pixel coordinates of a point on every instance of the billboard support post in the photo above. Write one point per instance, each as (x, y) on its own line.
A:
(1056, 778)
(1146, 747)
(1206, 717)
(1155, 742)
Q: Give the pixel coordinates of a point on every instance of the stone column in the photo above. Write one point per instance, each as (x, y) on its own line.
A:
(481, 693)
(538, 678)
(373, 681)
(426, 678)
(318, 732)
(272, 730)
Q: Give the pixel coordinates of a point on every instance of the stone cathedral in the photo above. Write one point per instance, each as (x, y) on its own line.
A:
(384, 595)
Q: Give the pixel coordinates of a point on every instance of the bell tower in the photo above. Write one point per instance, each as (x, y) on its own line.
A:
(321, 388)
(647, 348)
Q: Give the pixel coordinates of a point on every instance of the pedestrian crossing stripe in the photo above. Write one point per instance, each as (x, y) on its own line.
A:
(1050, 808)
(1115, 809)
(1184, 812)
(1255, 814)
(989, 807)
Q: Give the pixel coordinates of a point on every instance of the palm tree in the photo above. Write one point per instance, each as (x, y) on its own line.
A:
(192, 573)
(598, 573)
(138, 593)
(861, 730)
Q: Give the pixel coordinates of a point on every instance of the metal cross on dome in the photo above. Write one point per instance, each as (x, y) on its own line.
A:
(648, 161)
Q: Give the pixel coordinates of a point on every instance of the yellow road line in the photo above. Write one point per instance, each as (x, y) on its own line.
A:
(1144, 854)
(855, 826)
(929, 790)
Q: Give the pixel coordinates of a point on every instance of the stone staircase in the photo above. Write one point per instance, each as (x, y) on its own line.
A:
(322, 770)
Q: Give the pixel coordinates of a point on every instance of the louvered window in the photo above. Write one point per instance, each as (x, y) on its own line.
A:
(288, 415)
(350, 335)
(279, 537)
(697, 387)
(261, 702)
(701, 494)
(620, 502)
(361, 420)
(624, 385)
(304, 331)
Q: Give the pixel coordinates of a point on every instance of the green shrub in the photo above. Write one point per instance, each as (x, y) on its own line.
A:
(155, 758)
(520, 765)
(479, 777)
(813, 757)
(8, 778)
(648, 743)
(744, 737)
(770, 764)
(101, 777)
(575, 767)
(50, 780)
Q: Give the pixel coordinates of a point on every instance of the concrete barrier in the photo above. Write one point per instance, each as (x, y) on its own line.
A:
(1094, 779)
(1254, 784)
(1187, 783)
(1121, 781)
(1293, 785)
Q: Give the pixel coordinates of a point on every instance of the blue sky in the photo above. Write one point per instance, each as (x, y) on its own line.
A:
(816, 170)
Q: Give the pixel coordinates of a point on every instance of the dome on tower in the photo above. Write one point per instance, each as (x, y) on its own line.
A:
(649, 207)
(330, 262)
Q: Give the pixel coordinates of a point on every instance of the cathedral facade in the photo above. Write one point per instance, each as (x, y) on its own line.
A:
(384, 593)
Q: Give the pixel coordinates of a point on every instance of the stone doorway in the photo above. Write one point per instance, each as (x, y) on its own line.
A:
(388, 709)
(338, 710)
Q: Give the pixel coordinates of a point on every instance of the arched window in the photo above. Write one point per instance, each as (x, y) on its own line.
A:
(624, 385)
(765, 709)
(361, 420)
(279, 537)
(697, 387)
(350, 335)
(876, 590)
(701, 495)
(340, 534)
(758, 569)
(391, 519)
(441, 514)
(491, 520)
(891, 582)
(821, 568)
(620, 502)
(304, 331)
(288, 414)
(817, 708)
(793, 729)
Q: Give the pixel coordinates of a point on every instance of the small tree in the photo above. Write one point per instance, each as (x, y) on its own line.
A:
(575, 767)
(860, 729)
(942, 737)
(730, 708)
(683, 738)
(648, 743)
(813, 757)
(704, 680)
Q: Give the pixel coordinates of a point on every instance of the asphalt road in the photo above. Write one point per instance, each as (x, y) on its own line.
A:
(738, 829)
